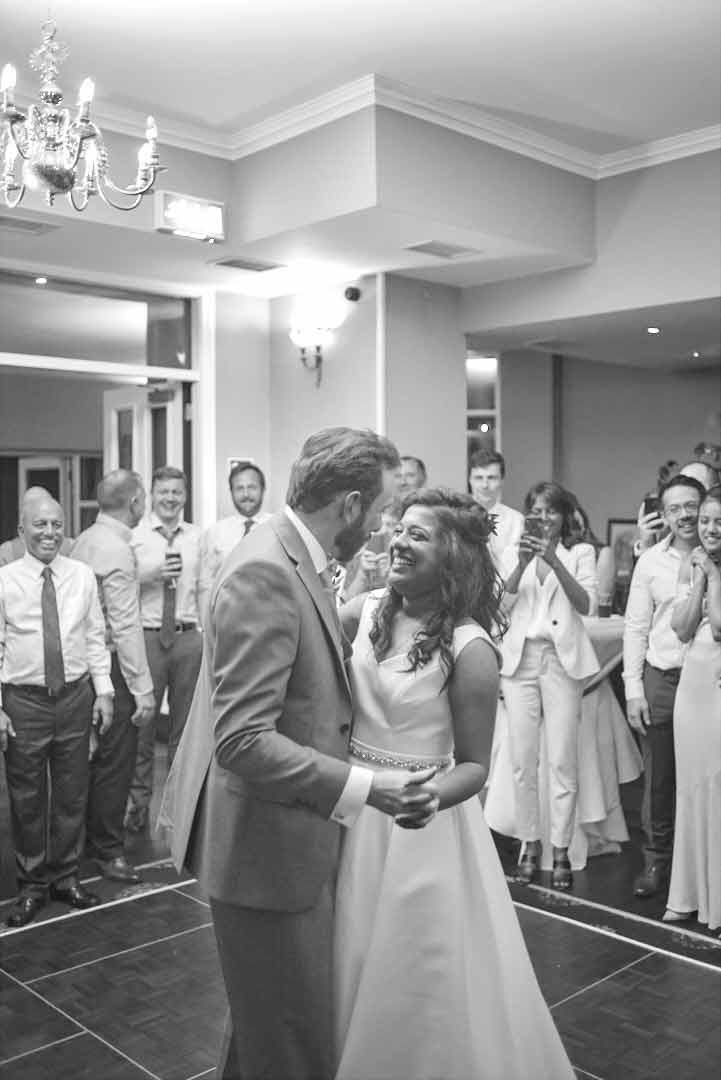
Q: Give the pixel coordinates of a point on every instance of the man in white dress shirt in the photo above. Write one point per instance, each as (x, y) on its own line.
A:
(652, 658)
(247, 491)
(167, 549)
(486, 471)
(52, 643)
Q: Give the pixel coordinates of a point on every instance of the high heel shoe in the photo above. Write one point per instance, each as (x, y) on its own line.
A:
(561, 876)
(529, 867)
(671, 916)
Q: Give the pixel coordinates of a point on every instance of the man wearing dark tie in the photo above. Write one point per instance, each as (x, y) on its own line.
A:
(167, 549)
(52, 644)
(247, 491)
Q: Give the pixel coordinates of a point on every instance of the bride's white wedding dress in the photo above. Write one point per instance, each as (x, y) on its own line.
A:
(432, 977)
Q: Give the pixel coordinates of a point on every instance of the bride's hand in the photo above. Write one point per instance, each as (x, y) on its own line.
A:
(405, 794)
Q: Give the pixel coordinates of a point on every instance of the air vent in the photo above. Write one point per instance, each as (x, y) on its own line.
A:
(26, 226)
(443, 251)
(256, 266)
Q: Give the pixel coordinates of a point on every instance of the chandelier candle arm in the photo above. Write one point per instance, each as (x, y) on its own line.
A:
(60, 155)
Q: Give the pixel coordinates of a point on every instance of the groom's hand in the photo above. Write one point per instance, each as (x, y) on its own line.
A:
(408, 797)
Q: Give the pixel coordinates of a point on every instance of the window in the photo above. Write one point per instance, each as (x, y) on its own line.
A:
(482, 404)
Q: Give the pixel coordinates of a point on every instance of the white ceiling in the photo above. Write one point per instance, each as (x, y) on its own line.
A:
(599, 76)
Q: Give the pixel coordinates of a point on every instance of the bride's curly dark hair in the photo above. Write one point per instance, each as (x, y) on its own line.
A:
(469, 588)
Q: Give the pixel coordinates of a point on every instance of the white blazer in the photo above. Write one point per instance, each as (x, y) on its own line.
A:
(568, 634)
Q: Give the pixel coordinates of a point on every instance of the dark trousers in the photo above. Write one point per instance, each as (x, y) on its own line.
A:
(659, 765)
(277, 972)
(50, 734)
(175, 670)
(111, 772)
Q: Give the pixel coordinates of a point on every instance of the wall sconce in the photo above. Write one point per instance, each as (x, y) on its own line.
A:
(314, 320)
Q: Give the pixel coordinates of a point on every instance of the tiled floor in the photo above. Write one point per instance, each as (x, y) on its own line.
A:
(132, 989)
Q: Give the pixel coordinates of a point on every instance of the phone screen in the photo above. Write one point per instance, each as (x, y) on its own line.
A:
(535, 527)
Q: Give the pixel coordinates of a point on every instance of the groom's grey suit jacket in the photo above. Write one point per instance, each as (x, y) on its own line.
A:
(260, 770)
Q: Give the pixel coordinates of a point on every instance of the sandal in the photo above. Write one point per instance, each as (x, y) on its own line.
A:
(529, 867)
(562, 876)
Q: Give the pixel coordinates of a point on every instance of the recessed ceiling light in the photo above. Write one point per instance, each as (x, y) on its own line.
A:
(41, 281)
(653, 330)
(696, 354)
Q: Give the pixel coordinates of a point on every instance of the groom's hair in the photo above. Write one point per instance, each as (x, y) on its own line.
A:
(336, 460)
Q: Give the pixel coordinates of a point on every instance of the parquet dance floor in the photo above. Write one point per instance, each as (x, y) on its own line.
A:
(132, 989)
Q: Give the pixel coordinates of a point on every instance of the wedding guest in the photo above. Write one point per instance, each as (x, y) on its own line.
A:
(52, 643)
(547, 655)
(652, 655)
(486, 473)
(14, 549)
(413, 475)
(695, 885)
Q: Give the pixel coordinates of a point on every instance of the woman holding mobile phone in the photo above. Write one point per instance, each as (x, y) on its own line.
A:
(547, 656)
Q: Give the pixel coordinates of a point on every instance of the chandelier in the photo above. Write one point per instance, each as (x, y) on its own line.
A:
(56, 153)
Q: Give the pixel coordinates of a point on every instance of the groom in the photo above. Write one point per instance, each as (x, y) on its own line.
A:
(263, 786)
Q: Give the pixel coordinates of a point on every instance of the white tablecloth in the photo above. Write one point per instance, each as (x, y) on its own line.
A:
(607, 756)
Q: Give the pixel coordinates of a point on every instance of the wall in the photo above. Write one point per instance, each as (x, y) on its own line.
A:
(346, 395)
(45, 413)
(526, 422)
(242, 374)
(426, 376)
(619, 424)
(658, 236)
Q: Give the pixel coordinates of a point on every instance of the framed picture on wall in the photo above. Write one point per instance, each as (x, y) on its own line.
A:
(620, 536)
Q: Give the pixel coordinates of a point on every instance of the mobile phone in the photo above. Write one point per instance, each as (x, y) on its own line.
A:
(652, 504)
(535, 527)
(379, 542)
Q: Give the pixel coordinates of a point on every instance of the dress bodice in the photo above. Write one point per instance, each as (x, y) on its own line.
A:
(397, 711)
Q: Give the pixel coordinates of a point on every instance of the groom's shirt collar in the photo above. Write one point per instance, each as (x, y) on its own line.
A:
(315, 549)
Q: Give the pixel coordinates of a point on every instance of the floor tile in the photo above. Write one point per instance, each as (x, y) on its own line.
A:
(54, 946)
(83, 1058)
(26, 1022)
(659, 1018)
(567, 957)
(644, 931)
(164, 1005)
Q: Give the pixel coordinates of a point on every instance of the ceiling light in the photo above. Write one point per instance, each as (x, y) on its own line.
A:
(695, 354)
(41, 281)
(653, 330)
(60, 155)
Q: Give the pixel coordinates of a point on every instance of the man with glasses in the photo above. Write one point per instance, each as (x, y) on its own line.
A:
(652, 655)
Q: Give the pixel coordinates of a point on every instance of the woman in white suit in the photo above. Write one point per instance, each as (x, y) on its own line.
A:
(547, 655)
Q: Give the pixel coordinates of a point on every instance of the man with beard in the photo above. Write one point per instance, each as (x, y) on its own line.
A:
(247, 490)
(262, 785)
(652, 656)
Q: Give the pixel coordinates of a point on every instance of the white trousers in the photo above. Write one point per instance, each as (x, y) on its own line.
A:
(541, 689)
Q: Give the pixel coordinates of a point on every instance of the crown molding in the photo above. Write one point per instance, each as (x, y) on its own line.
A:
(660, 151)
(377, 90)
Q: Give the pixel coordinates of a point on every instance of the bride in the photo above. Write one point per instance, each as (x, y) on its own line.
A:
(432, 977)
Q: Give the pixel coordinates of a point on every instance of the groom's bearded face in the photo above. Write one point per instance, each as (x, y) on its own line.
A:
(350, 540)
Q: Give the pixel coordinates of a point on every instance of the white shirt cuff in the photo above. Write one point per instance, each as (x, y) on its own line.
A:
(103, 685)
(633, 687)
(353, 796)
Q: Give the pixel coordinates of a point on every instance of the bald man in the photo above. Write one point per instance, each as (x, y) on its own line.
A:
(106, 549)
(14, 549)
(55, 679)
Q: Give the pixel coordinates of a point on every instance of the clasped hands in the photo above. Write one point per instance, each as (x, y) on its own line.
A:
(408, 797)
(531, 546)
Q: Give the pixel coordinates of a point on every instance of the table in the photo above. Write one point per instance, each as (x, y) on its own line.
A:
(607, 756)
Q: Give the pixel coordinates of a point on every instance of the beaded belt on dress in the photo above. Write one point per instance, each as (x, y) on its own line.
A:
(386, 759)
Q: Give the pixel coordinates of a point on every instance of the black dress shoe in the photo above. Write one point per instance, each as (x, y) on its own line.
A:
(118, 869)
(75, 895)
(24, 910)
(653, 879)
